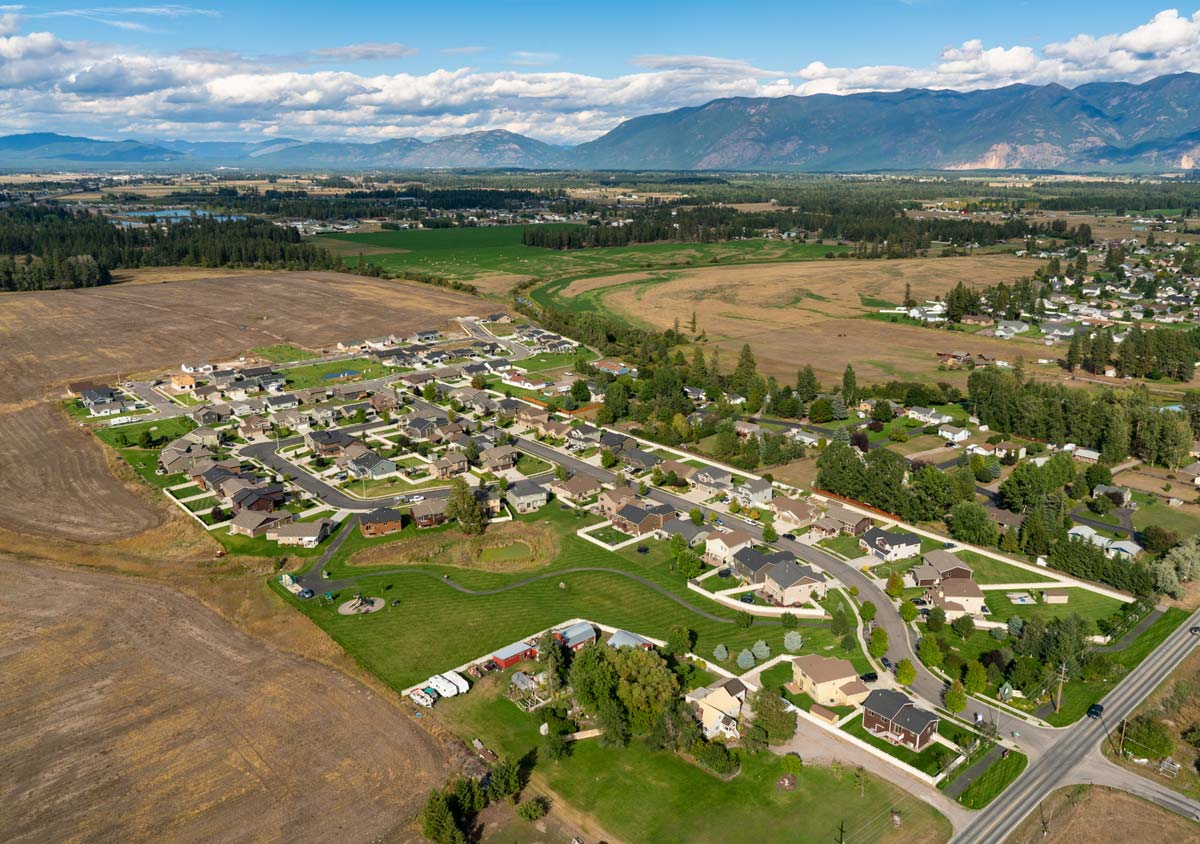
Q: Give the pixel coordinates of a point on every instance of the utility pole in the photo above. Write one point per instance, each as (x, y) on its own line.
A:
(1121, 751)
(1062, 678)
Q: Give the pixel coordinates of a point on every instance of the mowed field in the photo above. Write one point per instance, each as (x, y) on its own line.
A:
(814, 312)
(55, 479)
(494, 259)
(132, 713)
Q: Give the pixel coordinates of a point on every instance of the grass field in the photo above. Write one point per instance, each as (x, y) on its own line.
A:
(847, 546)
(457, 627)
(680, 803)
(554, 360)
(282, 353)
(468, 253)
(999, 776)
(332, 372)
(170, 429)
(989, 570)
(1082, 602)
(1177, 519)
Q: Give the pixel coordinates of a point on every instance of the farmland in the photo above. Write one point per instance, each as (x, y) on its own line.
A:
(495, 259)
(797, 313)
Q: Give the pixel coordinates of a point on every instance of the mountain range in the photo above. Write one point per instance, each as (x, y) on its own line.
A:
(1098, 127)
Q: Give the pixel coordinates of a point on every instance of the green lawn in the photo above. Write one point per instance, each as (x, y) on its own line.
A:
(323, 374)
(999, 776)
(554, 360)
(1078, 696)
(145, 463)
(1171, 518)
(530, 465)
(666, 808)
(457, 627)
(989, 570)
(282, 353)
(258, 546)
(609, 535)
(926, 761)
(1083, 602)
(161, 429)
(847, 546)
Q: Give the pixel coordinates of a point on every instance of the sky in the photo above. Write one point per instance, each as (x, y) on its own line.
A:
(559, 72)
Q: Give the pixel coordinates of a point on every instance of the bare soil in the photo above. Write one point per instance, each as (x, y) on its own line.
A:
(1097, 815)
(55, 481)
(540, 546)
(131, 713)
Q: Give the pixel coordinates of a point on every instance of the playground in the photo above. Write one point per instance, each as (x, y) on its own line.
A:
(358, 605)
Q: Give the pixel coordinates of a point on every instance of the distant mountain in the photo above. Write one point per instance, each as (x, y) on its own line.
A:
(1104, 126)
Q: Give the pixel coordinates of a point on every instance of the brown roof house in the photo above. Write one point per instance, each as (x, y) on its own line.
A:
(577, 488)
(718, 707)
(957, 597)
(828, 681)
(891, 715)
(719, 548)
(938, 565)
(257, 523)
(791, 514)
(380, 522)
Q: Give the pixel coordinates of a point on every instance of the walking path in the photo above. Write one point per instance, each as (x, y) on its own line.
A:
(973, 773)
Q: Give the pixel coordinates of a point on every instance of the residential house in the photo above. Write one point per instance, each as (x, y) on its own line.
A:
(893, 716)
(888, 546)
(928, 416)
(791, 514)
(692, 533)
(450, 464)
(720, 548)
(254, 426)
(718, 707)
(257, 522)
(953, 434)
(753, 492)
(204, 435)
(612, 500)
(213, 415)
(713, 480)
(430, 512)
(329, 443)
(1120, 496)
(614, 367)
(370, 466)
(790, 584)
(957, 597)
(682, 471)
(489, 501)
(1010, 449)
(244, 495)
(499, 459)
(576, 489)
(302, 534)
(639, 461)
(642, 517)
(937, 565)
(380, 522)
(753, 564)
(527, 496)
(183, 382)
(828, 681)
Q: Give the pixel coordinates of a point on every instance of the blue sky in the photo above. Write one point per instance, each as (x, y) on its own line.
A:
(559, 71)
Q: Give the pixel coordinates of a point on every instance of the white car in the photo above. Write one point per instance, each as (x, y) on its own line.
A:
(415, 498)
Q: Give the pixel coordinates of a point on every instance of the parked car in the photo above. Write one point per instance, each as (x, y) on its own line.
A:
(869, 677)
(747, 599)
(886, 663)
(415, 499)
(790, 536)
(1195, 631)
(1095, 710)
(306, 594)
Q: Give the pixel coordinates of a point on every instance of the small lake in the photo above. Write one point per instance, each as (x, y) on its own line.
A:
(175, 214)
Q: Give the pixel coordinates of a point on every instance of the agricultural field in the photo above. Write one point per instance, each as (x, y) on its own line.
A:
(52, 337)
(172, 707)
(1084, 814)
(748, 809)
(494, 259)
(797, 313)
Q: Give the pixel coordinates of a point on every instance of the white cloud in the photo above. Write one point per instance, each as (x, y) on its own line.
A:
(105, 90)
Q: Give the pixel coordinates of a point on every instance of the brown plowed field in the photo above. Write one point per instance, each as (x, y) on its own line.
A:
(54, 479)
(132, 713)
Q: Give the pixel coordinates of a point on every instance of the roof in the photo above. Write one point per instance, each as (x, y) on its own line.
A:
(734, 537)
(879, 536)
(753, 560)
(623, 638)
(685, 528)
(302, 530)
(383, 515)
(526, 489)
(942, 560)
(897, 708)
(823, 669)
(253, 519)
(579, 484)
(509, 651)
(799, 509)
(429, 507)
(960, 587)
(579, 632)
(789, 573)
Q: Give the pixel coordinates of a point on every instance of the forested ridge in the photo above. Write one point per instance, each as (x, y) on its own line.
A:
(53, 248)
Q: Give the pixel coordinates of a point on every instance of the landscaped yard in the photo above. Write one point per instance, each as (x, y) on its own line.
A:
(609, 535)
(1178, 519)
(332, 372)
(163, 430)
(847, 546)
(554, 360)
(666, 807)
(1083, 602)
(999, 776)
(930, 760)
(530, 465)
(990, 570)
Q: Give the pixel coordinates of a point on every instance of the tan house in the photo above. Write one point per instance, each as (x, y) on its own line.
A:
(576, 488)
(451, 464)
(719, 548)
(1055, 596)
(612, 500)
(791, 514)
(718, 707)
(828, 680)
(183, 382)
(790, 584)
(958, 596)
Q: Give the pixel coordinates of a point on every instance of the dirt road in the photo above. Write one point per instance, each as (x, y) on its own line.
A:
(129, 712)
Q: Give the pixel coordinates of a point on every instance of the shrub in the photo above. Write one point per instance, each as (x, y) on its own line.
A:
(793, 641)
(721, 653)
(745, 659)
(716, 757)
(761, 650)
(533, 809)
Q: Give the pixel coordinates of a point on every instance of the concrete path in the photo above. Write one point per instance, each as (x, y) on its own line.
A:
(973, 773)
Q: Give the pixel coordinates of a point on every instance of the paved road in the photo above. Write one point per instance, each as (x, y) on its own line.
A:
(1080, 514)
(1073, 759)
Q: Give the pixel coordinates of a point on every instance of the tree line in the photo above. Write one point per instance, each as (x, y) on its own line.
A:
(44, 248)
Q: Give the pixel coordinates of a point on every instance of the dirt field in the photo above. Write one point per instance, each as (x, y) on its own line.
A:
(798, 313)
(55, 479)
(131, 713)
(1091, 815)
